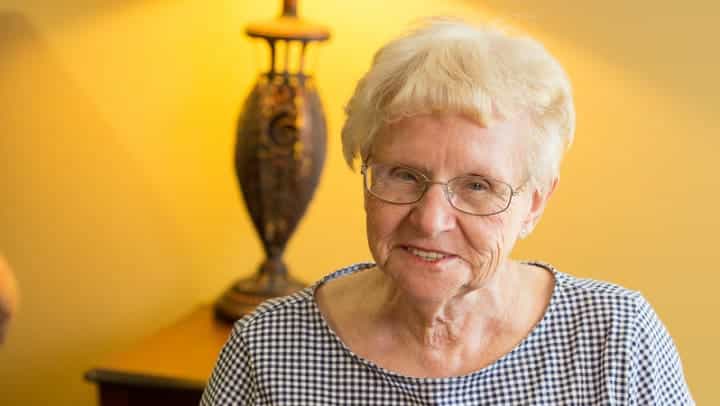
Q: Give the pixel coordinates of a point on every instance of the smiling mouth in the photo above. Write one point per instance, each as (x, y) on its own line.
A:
(430, 256)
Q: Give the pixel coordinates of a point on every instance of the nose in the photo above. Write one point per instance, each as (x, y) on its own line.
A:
(433, 214)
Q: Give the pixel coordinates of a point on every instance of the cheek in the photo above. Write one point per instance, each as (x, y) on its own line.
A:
(381, 222)
(373, 218)
(489, 238)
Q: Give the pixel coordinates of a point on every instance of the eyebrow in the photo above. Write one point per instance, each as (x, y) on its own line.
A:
(427, 172)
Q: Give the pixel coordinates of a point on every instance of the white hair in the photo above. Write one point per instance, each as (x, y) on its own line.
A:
(479, 72)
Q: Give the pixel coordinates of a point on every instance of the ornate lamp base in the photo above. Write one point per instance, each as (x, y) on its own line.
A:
(245, 294)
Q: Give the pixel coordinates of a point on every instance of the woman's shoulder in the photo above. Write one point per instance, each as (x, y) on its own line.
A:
(621, 324)
(580, 290)
(606, 304)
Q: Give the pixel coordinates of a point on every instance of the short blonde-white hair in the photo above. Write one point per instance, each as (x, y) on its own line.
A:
(479, 72)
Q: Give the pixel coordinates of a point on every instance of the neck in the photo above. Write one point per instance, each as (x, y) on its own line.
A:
(476, 314)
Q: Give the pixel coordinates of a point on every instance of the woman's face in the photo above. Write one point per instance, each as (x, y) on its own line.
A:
(473, 248)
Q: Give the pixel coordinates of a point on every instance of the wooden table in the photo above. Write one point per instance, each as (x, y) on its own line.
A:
(170, 367)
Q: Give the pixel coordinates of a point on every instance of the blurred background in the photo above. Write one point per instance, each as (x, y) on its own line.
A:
(119, 208)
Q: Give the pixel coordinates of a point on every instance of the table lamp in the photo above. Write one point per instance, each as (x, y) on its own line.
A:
(279, 155)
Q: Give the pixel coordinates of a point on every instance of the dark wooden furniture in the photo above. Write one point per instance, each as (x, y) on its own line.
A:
(167, 368)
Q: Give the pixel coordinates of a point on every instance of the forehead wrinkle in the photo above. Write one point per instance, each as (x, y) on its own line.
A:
(507, 157)
(457, 153)
(482, 147)
(408, 154)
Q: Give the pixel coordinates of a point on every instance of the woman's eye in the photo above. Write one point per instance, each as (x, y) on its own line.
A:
(404, 175)
(477, 186)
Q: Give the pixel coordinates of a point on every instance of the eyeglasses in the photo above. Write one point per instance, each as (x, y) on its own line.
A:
(471, 194)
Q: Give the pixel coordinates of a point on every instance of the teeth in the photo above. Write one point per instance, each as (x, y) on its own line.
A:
(428, 255)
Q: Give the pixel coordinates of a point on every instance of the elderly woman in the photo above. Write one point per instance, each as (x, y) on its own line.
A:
(461, 131)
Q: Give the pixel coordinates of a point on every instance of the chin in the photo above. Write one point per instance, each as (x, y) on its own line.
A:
(428, 282)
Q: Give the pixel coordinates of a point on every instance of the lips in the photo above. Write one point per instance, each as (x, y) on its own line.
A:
(427, 254)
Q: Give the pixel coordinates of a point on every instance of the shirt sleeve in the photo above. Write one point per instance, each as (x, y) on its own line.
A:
(656, 375)
(233, 381)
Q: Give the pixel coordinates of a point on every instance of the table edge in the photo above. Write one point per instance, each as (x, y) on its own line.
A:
(108, 376)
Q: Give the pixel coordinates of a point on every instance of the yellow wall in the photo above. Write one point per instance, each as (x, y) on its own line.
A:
(119, 208)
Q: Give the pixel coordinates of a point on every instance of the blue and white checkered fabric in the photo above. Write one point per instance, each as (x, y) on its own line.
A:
(597, 344)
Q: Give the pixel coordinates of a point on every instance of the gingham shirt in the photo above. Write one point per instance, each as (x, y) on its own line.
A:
(597, 344)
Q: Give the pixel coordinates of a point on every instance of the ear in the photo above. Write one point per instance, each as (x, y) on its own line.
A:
(537, 205)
